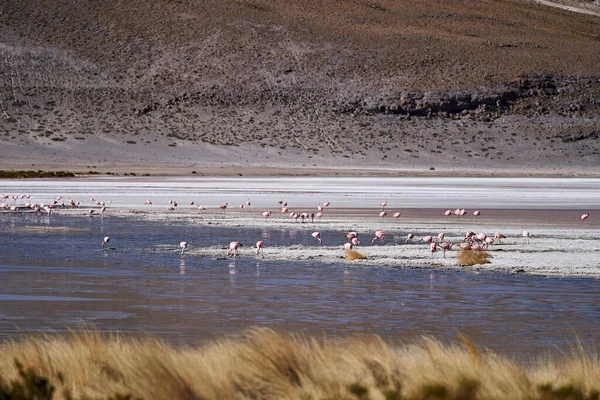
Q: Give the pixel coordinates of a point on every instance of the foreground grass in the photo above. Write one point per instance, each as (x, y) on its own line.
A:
(266, 365)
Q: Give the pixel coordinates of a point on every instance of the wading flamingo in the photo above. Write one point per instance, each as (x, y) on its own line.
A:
(446, 246)
(499, 237)
(476, 213)
(382, 214)
(383, 204)
(355, 241)
(526, 235)
(233, 248)
(105, 241)
(266, 214)
(409, 238)
(378, 235)
(183, 246)
(584, 217)
(396, 215)
(259, 245)
(433, 247)
(348, 246)
(317, 235)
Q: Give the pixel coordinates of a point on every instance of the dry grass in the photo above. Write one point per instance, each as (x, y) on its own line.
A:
(266, 365)
(352, 255)
(470, 257)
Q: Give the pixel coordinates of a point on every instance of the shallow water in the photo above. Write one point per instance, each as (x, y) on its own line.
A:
(54, 275)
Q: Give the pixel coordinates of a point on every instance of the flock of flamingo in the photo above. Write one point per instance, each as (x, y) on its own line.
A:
(472, 241)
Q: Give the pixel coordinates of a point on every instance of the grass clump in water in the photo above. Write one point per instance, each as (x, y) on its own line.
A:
(471, 257)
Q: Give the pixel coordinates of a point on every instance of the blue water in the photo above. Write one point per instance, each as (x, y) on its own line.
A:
(54, 276)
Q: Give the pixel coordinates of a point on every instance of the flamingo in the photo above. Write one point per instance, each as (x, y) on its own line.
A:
(284, 210)
(526, 235)
(433, 247)
(378, 235)
(319, 215)
(326, 204)
(183, 246)
(440, 237)
(105, 241)
(259, 245)
(192, 203)
(383, 204)
(200, 208)
(348, 246)
(489, 241)
(499, 236)
(446, 246)
(148, 203)
(233, 248)
(396, 215)
(428, 239)
(266, 214)
(409, 238)
(382, 214)
(317, 235)
(448, 212)
(351, 235)
(355, 241)
(319, 207)
(476, 213)
(241, 208)
(584, 217)
(223, 206)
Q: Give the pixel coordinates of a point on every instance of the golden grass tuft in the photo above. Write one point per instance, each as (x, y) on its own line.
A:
(470, 257)
(264, 364)
(352, 255)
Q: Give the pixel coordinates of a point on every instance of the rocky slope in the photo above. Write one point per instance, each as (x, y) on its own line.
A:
(459, 83)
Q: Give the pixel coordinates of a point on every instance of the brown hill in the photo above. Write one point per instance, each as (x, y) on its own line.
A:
(459, 83)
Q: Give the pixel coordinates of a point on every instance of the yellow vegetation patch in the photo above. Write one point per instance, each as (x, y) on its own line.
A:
(470, 257)
(264, 364)
(352, 255)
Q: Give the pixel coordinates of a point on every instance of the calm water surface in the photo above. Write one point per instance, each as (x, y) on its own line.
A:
(54, 276)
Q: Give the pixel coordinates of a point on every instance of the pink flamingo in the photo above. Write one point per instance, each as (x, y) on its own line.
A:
(241, 208)
(584, 217)
(319, 215)
(526, 235)
(266, 214)
(233, 248)
(440, 236)
(433, 247)
(284, 210)
(223, 206)
(326, 204)
(200, 208)
(428, 239)
(355, 241)
(383, 204)
(378, 235)
(396, 215)
(148, 203)
(382, 214)
(446, 246)
(319, 207)
(259, 245)
(476, 213)
(499, 236)
(105, 241)
(448, 212)
(351, 235)
(317, 235)
(409, 238)
(183, 246)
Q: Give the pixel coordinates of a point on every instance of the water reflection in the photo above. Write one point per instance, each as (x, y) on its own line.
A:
(182, 265)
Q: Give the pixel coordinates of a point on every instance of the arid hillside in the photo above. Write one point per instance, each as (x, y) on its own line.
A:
(459, 83)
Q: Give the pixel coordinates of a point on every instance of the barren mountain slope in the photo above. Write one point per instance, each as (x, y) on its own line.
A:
(464, 84)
